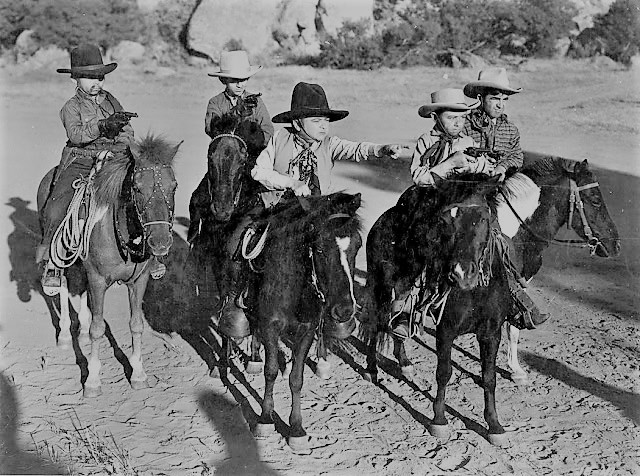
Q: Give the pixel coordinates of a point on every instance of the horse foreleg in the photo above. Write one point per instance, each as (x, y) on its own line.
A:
(97, 289)
(270, 337)
(518, 375)
(136, 325)
(296, 379)
(400, 353)
(488, 354)
(64, 338)
(439, 427)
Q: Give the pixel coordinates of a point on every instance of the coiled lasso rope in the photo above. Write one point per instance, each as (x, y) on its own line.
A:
(71, 239)
(255, 252)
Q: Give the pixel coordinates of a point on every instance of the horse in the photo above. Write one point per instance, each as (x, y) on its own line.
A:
(221, 200)
(448, 245)
(125, 189)
(569, 195)
(303, 287)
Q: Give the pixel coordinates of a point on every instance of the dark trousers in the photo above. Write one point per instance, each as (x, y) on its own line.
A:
(55, 207)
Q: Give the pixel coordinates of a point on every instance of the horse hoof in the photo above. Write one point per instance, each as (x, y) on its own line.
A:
(92, 392)
(299, 443)
(499, 439)
(215, 372)
(254, 367)
(407, 371)
(264, 430)
(370, 377)
(520, 380)
(323, 369)
(439, 431)
(139, 384)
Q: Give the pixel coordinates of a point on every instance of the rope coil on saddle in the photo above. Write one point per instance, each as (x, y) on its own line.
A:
(257, 249)
(71, 238)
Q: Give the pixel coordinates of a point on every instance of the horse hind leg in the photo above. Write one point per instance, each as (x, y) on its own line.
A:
(255, 364)
(518, 375)
(400, 353)
(84, 316)
(270, 337)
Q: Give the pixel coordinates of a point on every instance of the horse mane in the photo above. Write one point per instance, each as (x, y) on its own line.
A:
(224, 123)
(108, 181)
(550, 166)
(291, 219)
(461, 188)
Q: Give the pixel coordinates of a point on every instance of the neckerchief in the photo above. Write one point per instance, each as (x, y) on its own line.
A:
(481, 122)
(307, 164)
(435, 154)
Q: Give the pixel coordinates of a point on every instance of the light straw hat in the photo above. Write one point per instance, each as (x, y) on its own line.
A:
(235, 64)
(449, 99)
(493, 78)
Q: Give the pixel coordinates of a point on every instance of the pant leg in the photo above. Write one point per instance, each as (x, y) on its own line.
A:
(58, 201)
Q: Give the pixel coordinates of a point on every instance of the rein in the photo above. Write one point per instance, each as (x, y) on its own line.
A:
(574, 201)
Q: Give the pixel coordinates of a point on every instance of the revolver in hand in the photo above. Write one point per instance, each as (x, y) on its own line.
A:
(476, 152)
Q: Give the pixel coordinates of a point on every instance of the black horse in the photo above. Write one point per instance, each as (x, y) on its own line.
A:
(448, 246)
(302, 288)
(219, 204)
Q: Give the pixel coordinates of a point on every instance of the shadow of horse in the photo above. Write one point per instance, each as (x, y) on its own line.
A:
(627, 402)
(15, 460)
(230, 420)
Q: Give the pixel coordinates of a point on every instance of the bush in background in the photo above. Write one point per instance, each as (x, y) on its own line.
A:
(615, 34)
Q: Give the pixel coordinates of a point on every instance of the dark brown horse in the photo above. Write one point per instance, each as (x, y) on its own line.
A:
(144, 187)
(304, 285)
(569, 196)
(447, 245)
(220, 203)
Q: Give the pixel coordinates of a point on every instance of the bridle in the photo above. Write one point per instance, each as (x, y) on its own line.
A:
(157, 191)
(233, 135)
(574, 202)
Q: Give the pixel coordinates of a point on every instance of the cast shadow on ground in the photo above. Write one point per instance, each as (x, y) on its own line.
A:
(13, 459)
(229, 417)
(627, 402)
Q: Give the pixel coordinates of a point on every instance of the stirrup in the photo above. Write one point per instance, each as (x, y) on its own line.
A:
(400, 325)
(51, 280)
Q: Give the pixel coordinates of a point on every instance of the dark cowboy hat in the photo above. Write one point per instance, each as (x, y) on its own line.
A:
(309, 100)
(86, 62)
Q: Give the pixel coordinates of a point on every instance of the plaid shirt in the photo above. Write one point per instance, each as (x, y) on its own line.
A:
(503, 136)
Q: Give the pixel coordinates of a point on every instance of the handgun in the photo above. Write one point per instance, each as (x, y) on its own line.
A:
(478, 151)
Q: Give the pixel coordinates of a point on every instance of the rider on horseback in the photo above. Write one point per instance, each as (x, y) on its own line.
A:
(97, 129)
(300, 158)
(441, 153)
(235, 72)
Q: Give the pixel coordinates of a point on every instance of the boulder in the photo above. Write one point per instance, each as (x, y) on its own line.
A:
(217, 23)
(25, 46)
(332, 14)
(294, 27)
(127, 52)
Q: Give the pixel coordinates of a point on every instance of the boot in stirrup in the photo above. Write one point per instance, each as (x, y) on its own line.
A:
(158, 269)
(51, 279)
(528, 316)
(233, 321)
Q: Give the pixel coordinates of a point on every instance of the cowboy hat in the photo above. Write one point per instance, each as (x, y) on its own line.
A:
(235, 64)
(309, 100)
(86, 62)
(492, 78)
(448, 99)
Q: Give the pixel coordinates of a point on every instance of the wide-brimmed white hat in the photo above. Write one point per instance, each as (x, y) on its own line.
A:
(449, 99)
(493, 78)
(235, 64)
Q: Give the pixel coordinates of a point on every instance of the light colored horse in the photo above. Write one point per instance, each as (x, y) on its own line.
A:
(145, 186)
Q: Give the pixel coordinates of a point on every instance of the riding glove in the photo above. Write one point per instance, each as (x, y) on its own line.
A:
(112, 125)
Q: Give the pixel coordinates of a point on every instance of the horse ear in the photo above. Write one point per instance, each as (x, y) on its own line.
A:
(175, 149)
(355, 203)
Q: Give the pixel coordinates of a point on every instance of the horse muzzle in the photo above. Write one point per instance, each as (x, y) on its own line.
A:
(342, 321)
(464, 277)
(160, 242)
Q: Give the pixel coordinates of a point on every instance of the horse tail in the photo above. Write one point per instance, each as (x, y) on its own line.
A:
(373, 322)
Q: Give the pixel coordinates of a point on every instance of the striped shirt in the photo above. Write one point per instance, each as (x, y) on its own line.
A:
(501, 136)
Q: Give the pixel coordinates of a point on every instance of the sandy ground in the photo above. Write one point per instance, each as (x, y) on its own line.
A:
(579, 415)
